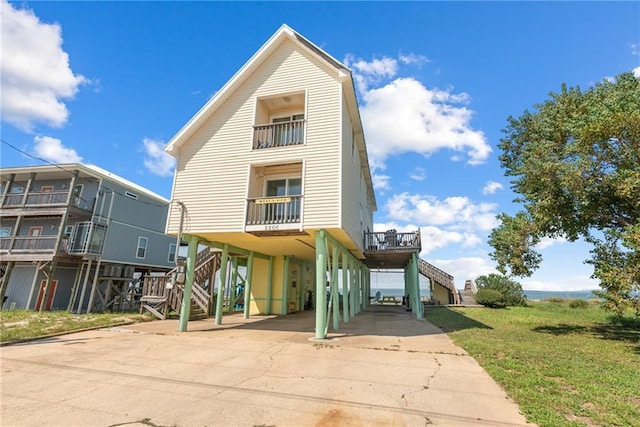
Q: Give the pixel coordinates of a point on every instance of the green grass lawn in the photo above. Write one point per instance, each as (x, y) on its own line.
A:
(564, 366)
(22, 324)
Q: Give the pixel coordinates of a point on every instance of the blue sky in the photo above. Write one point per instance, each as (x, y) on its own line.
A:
(109, 83)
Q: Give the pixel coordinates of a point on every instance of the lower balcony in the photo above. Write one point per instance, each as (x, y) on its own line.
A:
(274, 215)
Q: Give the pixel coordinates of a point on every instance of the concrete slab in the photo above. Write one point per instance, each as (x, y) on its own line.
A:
(383, 368)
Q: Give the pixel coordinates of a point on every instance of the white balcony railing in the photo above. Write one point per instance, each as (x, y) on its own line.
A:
(274, 210)
(278, 134)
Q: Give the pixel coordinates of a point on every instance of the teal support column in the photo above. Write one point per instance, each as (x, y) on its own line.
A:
(247, 285)
(224, 260)
(345, 287)
(352, 295)
(233, 284)
(416, 279)
(285, 286)
(367, 287)
(334, 287)
(269, 284)
(321, 279)
(192, 253)
(357, 300)
(300, 285)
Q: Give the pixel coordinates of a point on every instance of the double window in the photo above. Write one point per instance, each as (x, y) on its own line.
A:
(288, 211)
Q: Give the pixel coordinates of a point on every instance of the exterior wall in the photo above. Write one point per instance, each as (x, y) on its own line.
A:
(142, 211)
(122, 242)
(440, 293)
(211, 174)
(21, 280)
(357, 216)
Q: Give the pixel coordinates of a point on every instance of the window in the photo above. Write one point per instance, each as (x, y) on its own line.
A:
(172, 252)
(17, 189)
(5, 231)
(142, 247)
(68, 230)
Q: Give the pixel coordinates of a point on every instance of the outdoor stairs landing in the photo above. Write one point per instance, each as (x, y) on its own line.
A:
(468, 298)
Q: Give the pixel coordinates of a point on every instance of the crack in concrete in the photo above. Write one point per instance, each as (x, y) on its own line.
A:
(144, 421)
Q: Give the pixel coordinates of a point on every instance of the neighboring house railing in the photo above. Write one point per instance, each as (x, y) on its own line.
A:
(47, 198)
(391, 240)
(28, 243)
(274, 210)
(278, 134)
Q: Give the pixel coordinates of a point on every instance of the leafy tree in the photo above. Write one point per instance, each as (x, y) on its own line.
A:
(575, 162)
(508, 288)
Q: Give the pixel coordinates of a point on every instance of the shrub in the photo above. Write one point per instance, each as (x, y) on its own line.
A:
(490, 298)
(510, 289)
(555, 300)
(578, 303)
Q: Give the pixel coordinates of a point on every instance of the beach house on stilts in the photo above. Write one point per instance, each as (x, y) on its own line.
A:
(272, 173)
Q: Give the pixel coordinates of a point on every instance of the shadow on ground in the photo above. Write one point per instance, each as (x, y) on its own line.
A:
(451, 320)
(606, 331)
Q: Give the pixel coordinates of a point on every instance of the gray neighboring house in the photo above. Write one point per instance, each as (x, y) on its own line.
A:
(76, 237)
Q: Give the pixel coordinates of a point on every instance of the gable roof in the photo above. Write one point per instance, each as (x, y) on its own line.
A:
(284, 32)
(343, 74)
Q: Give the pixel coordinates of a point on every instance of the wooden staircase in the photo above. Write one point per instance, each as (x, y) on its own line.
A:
(435, 275)
(161, 295)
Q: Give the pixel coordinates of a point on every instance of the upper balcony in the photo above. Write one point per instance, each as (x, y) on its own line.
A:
(390, 249)
(279, 121)
(45, 200)
(279, 134)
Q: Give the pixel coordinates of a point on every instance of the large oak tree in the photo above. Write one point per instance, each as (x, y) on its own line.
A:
(575, 163)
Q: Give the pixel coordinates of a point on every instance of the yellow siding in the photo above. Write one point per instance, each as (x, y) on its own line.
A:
(213, 166)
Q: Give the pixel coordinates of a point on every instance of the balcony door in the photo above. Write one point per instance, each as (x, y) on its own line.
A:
(34, 232)
(289, 130)
(289, 209)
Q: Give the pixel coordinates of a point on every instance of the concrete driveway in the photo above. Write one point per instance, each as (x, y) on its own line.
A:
(384, 368)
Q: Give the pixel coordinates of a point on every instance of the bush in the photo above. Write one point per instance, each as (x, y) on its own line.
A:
(510, 289)
(578, 303)
(554, 300)
(490, 298)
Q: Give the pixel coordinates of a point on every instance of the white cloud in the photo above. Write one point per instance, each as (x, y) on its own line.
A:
(466, 268)
(52, 150)
(418, 174)
(412, 58)
(491, 187)
(405, 116)
(433, 238)
(156, 160)
(636, 72)
(545, 242)
(459, 212)
(634, 49)
(35, 72)
(381, 182)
